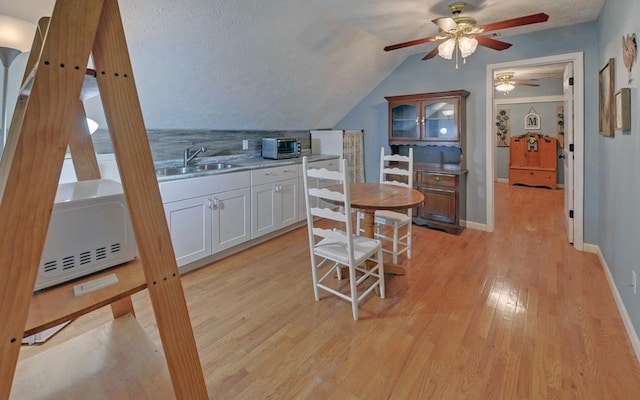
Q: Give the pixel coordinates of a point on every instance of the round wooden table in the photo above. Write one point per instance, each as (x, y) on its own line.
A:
(369, 197)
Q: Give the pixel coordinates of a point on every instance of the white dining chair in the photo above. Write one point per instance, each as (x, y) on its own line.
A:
(333, 245)
(403, 168)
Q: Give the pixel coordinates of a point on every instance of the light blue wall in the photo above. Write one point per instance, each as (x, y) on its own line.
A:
(417, 76)
(619, 162)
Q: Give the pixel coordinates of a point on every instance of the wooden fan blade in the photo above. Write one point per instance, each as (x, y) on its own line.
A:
(511, 23)
(492, 43)
(445, 23)
(411, 43)
(520, 83)
(431, 54)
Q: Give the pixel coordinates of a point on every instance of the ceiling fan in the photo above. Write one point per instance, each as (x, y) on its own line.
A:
(462, 35)
(504, 82)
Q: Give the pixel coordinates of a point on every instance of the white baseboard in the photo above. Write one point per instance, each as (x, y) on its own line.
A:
(591, 248)
(474, 225)
(631, 331)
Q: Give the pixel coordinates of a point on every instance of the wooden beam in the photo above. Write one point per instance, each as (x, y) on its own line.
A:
(81, 147)
(31, 164)
(133, 155)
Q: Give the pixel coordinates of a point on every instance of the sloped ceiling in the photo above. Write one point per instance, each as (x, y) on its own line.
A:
(274, 65)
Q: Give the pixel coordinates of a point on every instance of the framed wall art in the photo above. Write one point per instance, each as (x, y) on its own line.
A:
(532, 119)
(605, 99)
(623, 118)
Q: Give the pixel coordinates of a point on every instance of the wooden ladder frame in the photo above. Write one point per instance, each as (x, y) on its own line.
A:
(45, 122)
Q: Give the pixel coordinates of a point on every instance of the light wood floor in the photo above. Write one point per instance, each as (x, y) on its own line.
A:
(516, 314)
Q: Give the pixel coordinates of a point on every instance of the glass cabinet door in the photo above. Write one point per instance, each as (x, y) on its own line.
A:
(440, 120)
(404, 121)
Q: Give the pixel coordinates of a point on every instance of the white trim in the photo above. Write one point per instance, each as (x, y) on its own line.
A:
(502, 180)
(626, 320)
(474, 225)
(591, 248)
(533, 99)
(578, 94)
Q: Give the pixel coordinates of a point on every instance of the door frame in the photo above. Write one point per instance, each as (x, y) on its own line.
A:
(578, 138)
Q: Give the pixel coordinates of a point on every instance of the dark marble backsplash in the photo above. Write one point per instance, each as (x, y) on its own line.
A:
(169, 144)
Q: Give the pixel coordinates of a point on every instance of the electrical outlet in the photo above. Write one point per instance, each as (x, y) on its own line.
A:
(633, 282)
(245, 144)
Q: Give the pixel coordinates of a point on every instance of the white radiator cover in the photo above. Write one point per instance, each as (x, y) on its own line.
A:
(89, 231)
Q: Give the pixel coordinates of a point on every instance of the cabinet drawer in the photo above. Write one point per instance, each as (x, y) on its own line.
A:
(429, 179)
(273, 174)
(532, 177)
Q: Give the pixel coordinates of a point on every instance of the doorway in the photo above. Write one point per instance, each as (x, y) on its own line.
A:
(576, 60)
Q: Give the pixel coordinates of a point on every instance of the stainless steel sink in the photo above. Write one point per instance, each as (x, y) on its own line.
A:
(178, 170)
(171, 171)
(215, 166)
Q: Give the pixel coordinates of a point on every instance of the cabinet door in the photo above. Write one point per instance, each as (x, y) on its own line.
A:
(441, 120)
(439, 205)
(230, 223)
(287, 202)
(404, 121)
(190, 234)
(263, 206)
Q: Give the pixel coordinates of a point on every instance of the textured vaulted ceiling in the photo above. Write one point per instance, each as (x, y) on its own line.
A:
(277, 64)
(404, 20)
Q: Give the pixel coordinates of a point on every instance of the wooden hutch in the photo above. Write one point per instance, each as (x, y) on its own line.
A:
(435, 125)
(532, 160)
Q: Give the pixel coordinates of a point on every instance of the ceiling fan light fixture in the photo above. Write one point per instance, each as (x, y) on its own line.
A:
(505, 87)
(467, 46)
(446, 48)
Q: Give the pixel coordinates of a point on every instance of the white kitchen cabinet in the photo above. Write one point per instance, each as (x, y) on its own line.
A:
(274, 199)
(189, 229)
(331, 165)
(230, 224)
(204, 217)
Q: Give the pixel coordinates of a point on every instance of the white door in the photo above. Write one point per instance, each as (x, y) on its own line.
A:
(567, 153)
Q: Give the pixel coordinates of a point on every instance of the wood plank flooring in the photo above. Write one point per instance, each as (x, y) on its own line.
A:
(514, 314)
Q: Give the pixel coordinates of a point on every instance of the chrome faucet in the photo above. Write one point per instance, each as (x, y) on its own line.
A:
(188, 156)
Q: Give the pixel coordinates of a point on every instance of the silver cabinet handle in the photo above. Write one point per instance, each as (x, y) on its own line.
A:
(214, 203)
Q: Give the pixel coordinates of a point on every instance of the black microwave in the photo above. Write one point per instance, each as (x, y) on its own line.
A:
(277, 148)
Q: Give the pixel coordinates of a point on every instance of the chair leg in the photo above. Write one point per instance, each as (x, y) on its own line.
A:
(381, 272)
(409, 241)
(395, 243)
(314, 277)
(354, 292)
